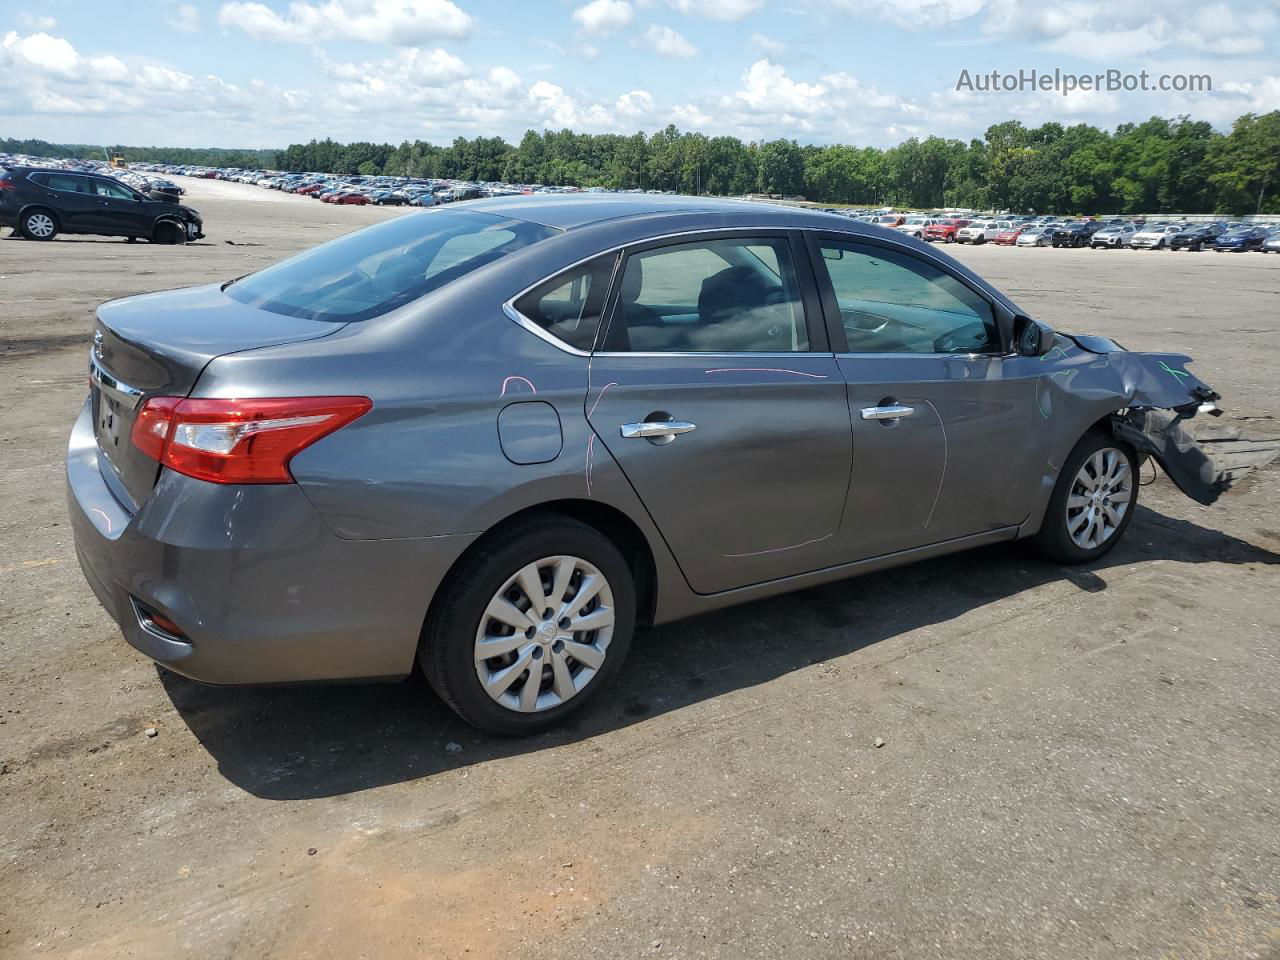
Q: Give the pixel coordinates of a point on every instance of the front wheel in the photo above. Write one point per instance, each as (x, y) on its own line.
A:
(530, 626)
(1092, 502)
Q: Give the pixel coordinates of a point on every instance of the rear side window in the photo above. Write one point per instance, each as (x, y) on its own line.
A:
(57, 181)
(569, 306)
(373, 271)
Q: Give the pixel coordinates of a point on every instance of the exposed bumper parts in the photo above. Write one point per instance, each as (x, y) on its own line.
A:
(1203, 469)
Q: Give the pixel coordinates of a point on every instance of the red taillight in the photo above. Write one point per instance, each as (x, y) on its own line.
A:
(238, 441)
(8, 185)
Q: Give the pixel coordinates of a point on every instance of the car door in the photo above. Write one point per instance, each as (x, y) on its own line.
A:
(120, 211)
(72, 197)
(939, 413)
(714, 389)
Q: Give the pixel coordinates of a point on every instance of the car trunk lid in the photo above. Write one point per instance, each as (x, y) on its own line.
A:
(158, 345)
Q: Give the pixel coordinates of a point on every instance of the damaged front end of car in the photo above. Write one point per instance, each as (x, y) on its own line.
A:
(1203, 460)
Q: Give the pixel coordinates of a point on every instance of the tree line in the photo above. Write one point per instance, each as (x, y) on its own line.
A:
(1172, 165)
(1160, 165)
(196, 156)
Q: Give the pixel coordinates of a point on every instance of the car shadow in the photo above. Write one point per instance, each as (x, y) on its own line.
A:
(301, 742)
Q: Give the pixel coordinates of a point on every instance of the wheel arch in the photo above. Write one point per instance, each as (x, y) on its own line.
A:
(1096, 422)
(168, 220)
(31, 207)
(613, 523)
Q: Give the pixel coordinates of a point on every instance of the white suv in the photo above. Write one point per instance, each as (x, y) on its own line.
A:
(980, 231)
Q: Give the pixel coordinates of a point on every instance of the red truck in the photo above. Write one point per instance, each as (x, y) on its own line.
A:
(945, 229)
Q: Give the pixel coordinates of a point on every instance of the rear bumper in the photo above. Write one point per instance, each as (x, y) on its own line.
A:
(263, 590)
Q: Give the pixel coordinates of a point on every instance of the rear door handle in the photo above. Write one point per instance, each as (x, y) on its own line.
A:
(892, 411)
(664, 431)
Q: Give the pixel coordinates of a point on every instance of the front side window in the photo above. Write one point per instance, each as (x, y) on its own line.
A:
(113, 190)
(373, 271)
(570, 306)
(892, 302)
(733, 295)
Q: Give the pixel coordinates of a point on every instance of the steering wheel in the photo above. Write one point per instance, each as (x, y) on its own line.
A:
(970, 338)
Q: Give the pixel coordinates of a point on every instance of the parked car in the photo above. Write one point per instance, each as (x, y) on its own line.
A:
(1009, 235)
(945, 229)
(1196, 236)
(1272, 243)
(1113, 236)
(1240, 240)
(915, 226)
(493, 439)
(1075, 234)
(40, 203)
(1154, 237)
(979, 232)
(1035, 237)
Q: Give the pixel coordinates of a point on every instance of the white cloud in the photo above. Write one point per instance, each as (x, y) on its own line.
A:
(604, 16)
(397, 22)
(767, 45)
(637, 103)
(33, 21)
(184, 18)
(717, 9)
(667, 42)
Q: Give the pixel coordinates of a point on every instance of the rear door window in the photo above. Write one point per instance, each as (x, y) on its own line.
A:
(67, 184)
(730, 295)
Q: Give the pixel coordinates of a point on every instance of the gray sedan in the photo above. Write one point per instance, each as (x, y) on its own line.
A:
(492, 438)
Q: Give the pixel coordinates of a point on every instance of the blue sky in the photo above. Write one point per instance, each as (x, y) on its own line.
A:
(265, 73)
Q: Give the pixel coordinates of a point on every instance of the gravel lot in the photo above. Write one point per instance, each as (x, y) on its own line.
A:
(1078, 763)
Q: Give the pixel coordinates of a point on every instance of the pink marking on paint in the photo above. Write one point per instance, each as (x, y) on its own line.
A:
(591, 443)
(600, 396)
(797, 373)
(103, 516)
(507, 382)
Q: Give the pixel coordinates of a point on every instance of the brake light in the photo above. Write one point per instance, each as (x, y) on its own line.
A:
(238, 441)
(8, 185)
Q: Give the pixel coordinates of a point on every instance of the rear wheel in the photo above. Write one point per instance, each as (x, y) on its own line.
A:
(1093, 501)
(530, 626)
(38, 225)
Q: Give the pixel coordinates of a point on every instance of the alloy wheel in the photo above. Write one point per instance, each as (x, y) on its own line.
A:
(1099, 498)
(545, 634)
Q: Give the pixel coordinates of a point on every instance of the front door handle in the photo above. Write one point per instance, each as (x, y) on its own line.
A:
(891, 411)
(659, 431)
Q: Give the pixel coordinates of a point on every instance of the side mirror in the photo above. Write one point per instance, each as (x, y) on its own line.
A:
(1031, 339)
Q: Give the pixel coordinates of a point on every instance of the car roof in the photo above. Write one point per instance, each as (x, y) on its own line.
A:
(567, 211)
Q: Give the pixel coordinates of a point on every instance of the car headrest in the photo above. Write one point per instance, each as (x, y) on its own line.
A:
(732, 290)
(632, 281)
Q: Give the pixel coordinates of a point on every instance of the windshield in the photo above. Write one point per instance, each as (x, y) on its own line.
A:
(373, 271)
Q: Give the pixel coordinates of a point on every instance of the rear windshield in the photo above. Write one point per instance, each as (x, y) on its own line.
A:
(373, 271)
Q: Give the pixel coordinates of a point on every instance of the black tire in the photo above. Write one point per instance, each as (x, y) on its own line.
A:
(38, 224)
(1054, 540)
(446, 652)
(168, 233)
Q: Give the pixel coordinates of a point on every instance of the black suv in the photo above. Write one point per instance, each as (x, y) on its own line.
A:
(41, 203)
(1076, 234)
(1196, 237)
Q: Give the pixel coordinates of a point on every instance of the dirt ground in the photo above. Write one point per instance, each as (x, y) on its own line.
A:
(1078, 763)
